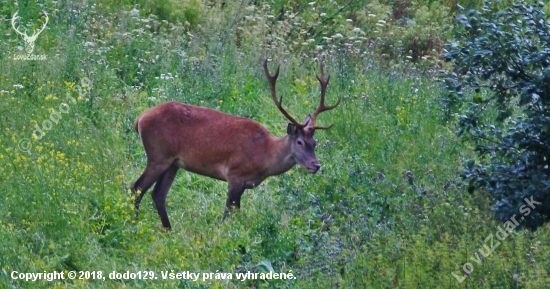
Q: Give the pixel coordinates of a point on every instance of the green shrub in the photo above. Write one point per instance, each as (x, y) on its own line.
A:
(406, 30)
(501, 88)
(183, 11)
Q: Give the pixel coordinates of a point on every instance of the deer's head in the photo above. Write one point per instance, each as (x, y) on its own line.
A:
(29, 40)
(302, 143)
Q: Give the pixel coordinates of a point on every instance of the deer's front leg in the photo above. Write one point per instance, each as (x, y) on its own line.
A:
(235, 191)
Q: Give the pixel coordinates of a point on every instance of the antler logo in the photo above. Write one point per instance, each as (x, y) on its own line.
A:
(29, 40)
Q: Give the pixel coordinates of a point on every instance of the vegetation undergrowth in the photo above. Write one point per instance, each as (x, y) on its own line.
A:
(387, 210)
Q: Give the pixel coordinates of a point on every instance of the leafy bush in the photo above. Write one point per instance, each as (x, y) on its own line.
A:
(474, 4)
(405, 30)
(501, 87)
(184, 11)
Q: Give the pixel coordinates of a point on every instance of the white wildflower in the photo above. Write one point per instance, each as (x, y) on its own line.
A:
(134, 12)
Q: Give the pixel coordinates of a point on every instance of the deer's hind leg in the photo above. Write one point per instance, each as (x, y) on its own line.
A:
(160, 192)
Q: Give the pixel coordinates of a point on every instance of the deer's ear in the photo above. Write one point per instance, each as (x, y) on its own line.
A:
(291, 130)
(307, 120)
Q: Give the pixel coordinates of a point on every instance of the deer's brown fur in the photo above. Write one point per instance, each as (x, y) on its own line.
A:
(237, 150)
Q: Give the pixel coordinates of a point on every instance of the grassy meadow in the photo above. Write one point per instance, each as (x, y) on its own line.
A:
(387, 210)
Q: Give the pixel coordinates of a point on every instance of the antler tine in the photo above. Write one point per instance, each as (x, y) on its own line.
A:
(272, 79)
(13, 19)
(45, 23)
(322, 107)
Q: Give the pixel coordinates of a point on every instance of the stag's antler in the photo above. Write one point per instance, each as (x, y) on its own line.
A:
(322, 107)
(43, 26)
(272, 79)
(13, 19)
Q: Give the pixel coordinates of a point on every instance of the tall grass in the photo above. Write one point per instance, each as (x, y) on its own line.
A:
(386, 211)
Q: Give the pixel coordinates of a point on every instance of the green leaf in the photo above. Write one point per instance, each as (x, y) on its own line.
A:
(265, 266)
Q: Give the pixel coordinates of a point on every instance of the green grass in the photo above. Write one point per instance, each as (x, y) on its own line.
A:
(386, 211)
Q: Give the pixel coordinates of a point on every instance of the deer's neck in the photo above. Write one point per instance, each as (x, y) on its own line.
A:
(281, 160)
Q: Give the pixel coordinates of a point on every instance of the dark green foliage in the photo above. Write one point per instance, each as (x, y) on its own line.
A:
(501, 89)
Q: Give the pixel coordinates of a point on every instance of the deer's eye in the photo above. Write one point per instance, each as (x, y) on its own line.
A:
(300, 143)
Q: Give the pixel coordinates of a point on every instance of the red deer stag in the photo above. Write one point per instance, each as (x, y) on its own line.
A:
(237, 150)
